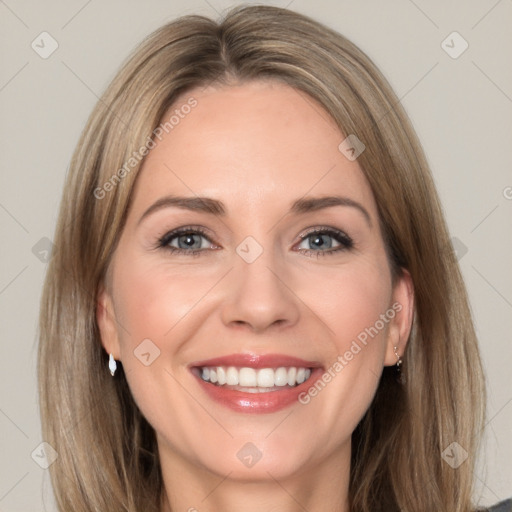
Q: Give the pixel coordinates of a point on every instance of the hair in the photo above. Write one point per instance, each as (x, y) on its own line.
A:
(107, 452)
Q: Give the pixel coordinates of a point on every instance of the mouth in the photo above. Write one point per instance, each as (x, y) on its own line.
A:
(255, 383)
(254, 380)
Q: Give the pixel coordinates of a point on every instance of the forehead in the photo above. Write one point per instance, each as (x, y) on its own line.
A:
(258, 144)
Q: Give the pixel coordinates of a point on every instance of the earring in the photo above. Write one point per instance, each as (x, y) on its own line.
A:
(399, 359)
(112, 365)
(399, 362)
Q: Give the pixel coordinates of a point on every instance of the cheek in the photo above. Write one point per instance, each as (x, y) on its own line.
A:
(152, 300)
(155, 309)
(365, 297)
(351, 301)
(352, 305)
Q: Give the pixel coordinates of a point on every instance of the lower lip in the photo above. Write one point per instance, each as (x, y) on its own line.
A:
(242, 401)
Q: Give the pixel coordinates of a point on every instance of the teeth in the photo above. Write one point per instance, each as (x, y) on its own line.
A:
(281, 377)
(255, 379)
(292, 375)
(221, 376)
(247, 377)
(265, 377)
(231, 376)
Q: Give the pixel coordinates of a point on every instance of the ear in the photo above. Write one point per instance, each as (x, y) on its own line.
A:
(105, 317)
(401, 324)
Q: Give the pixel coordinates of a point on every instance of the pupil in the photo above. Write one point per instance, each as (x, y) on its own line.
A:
(320, 241)
(188, 240)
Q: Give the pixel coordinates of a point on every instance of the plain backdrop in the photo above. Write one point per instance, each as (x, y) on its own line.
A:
(461, 108)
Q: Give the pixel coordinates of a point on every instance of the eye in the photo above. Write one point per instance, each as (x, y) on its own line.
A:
(188, 239)
(323, 241)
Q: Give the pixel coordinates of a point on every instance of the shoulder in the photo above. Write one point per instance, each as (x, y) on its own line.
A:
(503, 506)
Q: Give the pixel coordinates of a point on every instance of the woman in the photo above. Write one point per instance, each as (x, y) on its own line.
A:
(199, 350)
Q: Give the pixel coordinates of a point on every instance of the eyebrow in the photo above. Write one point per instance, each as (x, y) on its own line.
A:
(216, 207)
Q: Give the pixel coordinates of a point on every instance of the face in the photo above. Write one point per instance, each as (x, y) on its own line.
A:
(265, 282)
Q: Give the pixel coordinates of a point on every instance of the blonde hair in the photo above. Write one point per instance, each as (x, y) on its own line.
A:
(107, 450)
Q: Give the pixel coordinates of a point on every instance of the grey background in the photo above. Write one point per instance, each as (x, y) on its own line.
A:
(461, 109)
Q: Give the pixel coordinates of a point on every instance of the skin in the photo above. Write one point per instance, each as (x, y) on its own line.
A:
(256, 147)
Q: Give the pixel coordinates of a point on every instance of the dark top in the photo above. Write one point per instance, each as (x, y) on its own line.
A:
(503, 506)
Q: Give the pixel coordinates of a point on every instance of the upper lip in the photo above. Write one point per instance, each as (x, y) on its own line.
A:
(257, 361)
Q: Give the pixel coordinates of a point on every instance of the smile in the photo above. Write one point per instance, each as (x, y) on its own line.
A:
(252, 383)
(254, 380)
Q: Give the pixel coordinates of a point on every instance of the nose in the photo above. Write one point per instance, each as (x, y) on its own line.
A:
(260, 295)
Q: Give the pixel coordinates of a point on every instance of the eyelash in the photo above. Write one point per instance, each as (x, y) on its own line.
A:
(346, 243)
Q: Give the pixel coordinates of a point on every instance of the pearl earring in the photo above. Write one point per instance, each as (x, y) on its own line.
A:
(112, 365)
